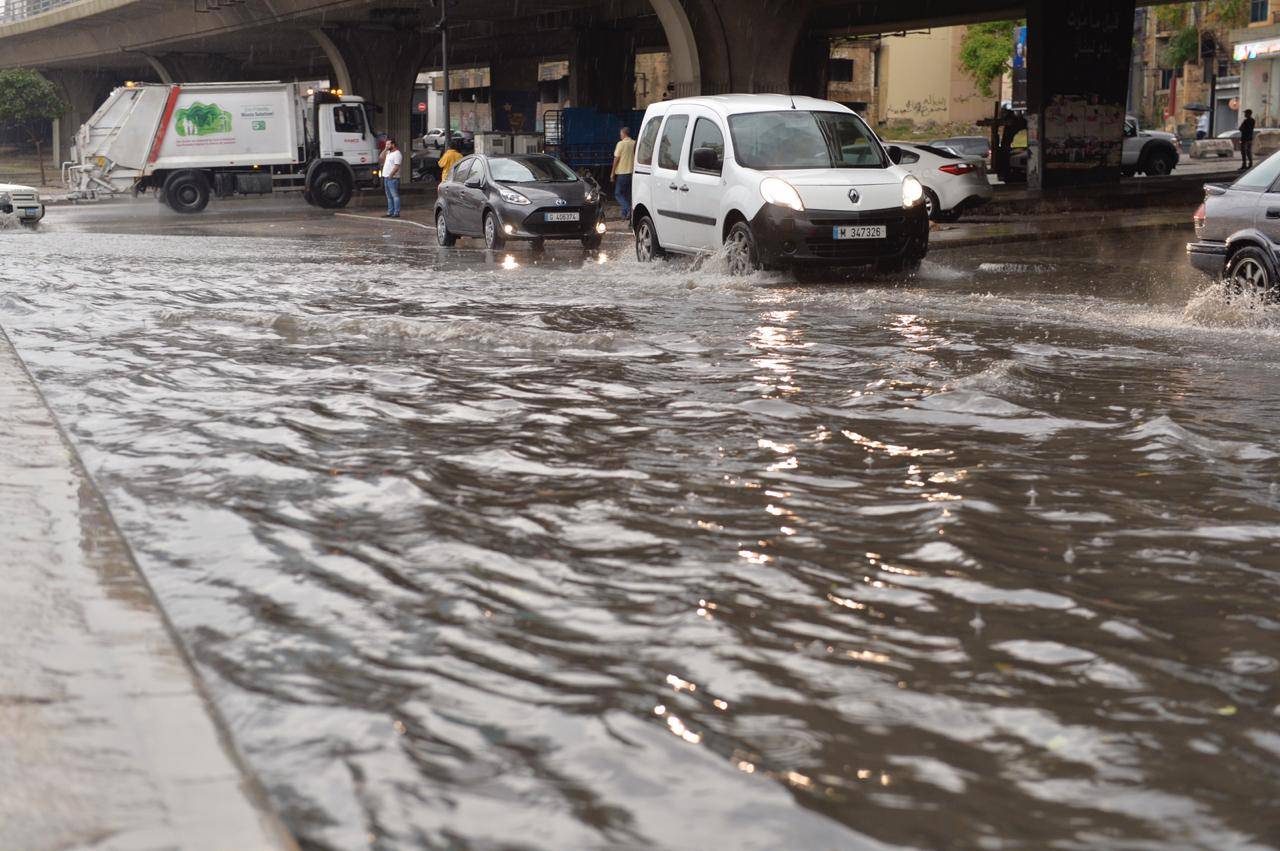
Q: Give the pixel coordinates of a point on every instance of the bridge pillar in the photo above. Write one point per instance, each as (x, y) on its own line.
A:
(383, 65)
(1078, 53)
(84, 92)
(747, 45)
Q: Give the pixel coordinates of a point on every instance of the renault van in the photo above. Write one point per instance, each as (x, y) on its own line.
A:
(775, 181)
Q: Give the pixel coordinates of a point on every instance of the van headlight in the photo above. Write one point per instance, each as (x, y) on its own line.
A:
(775, 190)
(513, 197)
(912, 191)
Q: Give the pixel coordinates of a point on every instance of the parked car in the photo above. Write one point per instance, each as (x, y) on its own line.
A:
(21, 201)
(775, 181)
(1238, 228)
(952, 183)
(966, 146)
(1150, 152)
(433, 141)
(531, 197)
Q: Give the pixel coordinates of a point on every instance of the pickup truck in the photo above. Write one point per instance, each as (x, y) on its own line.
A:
(1151, 152)
(23, 202)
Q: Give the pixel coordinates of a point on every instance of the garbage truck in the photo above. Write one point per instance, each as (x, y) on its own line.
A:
(193, 141)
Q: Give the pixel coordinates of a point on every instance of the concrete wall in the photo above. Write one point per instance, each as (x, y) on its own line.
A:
(921, 80)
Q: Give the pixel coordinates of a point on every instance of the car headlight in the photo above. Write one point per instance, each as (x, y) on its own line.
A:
(912, 191)
(513, 197)
(775, 190)
(592, 196)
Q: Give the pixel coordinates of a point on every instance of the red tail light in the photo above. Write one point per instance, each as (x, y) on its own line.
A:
(958, 168)
(1198, 218)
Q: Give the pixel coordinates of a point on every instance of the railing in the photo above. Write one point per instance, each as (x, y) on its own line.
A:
(19, 10)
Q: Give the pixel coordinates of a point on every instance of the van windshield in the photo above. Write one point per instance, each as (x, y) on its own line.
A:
(797, 138)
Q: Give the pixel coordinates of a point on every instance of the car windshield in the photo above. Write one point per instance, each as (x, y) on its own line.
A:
(798, 138)
(530, 170)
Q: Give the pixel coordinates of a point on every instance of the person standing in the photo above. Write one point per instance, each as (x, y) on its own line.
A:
(1202, 126)
(392, 163)
(1246, 140)
(448, 160)
(624, 162)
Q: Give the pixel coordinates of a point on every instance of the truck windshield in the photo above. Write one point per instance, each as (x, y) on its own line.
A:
(530, 170)
(797, 138)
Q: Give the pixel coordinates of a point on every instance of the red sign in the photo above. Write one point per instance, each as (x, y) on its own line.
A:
(422, 107)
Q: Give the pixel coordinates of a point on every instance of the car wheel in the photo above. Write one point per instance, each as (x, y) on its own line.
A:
(187, 192)
(331, 188)
(1249, 272)
(932, 205)
(1159, 163)
(591, 242)
(740, 250)
(493, 238)
(538, 246)
(1128, 172)
(648, 248)
(444, 238)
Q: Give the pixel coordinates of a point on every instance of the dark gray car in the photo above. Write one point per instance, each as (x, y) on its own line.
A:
(532, 197)
(1238, 229)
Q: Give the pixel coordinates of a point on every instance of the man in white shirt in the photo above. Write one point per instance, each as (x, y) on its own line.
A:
(391, 165)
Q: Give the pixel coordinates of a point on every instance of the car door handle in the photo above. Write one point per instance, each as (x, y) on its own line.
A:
(684, 188)
(1273, 213)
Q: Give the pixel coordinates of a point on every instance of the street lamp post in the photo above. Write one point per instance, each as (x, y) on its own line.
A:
(443, 27)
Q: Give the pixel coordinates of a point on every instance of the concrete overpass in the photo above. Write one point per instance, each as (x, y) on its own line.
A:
(377, 47)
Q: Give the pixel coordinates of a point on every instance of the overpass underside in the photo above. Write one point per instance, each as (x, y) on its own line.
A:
(1078, 61)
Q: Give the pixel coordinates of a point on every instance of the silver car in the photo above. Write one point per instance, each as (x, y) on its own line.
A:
(1238, 231)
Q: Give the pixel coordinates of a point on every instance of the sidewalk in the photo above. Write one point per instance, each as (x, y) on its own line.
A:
(106, 738)
(1055, 226)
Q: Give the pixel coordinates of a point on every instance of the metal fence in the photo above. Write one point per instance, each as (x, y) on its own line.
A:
(18, 10)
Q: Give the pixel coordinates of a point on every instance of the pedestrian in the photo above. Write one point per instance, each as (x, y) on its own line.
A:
(391, 166)
(1202, 126)
(448, 160)
(624, 160)
(1246, 140)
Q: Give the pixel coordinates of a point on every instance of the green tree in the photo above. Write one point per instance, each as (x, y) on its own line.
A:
(986, 52)
(27, 101)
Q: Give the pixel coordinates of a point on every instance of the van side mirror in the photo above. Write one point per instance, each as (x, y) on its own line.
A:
(895, 154)
(707, 159)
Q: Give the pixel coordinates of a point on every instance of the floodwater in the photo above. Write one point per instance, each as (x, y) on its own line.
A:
(481, 553)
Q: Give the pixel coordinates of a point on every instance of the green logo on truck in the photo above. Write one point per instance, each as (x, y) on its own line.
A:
(201, 119)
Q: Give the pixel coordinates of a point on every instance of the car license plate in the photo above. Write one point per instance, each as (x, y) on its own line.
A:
(562, 217)
(859, 232)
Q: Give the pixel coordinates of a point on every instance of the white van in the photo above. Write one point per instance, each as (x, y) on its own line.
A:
(778, 181)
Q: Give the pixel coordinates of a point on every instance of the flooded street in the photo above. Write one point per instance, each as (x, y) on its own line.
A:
(481, 552)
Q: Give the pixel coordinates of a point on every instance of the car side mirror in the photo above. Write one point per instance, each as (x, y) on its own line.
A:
(707, 159)
(895, 154)
(475, 183)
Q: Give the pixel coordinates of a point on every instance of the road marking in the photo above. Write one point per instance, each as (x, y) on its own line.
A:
(385, 219)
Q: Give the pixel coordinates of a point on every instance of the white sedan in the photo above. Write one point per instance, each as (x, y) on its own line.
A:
(952, 183)
(22, 202)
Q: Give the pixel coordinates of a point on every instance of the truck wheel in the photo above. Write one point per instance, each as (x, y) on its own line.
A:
(308, 197)
(1159, 163)
(187, 192)
(331, 188)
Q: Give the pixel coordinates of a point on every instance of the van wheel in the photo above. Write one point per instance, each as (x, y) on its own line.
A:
(740, 250)
(331, 188)
(444, 238)
(493, 238)
(1249, 272)
(647, 247)
(186, 192)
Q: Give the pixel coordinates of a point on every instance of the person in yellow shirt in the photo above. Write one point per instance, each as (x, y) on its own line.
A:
(448, 160)
(624, 161)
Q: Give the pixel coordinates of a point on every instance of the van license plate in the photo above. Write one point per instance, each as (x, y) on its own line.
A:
(562, 217)
(31, 211)
(859, 232)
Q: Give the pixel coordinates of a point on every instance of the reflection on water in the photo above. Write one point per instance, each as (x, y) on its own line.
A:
(487, 553)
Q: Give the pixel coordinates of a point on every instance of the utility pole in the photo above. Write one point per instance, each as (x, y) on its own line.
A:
(443, 27)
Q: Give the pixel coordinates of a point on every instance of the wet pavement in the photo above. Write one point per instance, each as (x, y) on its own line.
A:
(486, 550)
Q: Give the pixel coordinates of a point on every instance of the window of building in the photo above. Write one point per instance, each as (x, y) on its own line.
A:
(840, 70)
(1166, 78)
(1258, 11)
